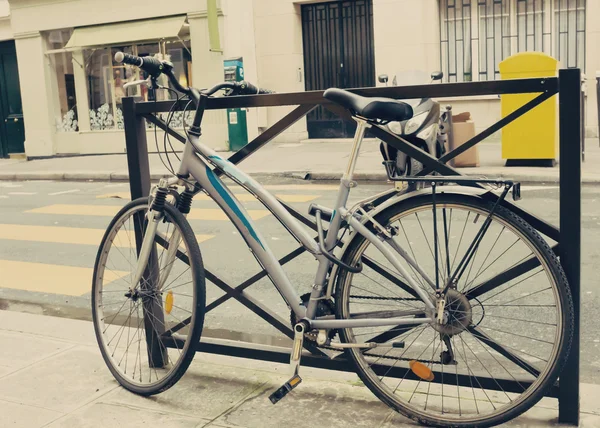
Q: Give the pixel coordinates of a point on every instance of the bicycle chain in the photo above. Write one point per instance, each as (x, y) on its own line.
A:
(396, 299)
(384, 356)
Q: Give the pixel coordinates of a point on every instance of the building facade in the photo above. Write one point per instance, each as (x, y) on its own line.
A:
(63, 91)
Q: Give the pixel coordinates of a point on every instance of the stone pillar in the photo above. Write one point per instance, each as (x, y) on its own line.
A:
(35, 94)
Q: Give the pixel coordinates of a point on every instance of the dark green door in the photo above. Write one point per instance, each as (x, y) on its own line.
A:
(12, 130)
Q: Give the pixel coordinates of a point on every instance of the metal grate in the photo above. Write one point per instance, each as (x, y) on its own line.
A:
(494, 36)
(456, 38)
(338, 52)
(533, 26)
(570, 32)
(499, 28)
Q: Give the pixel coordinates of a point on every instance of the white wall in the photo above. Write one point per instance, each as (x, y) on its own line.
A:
(239, 41)
(36, 94)
(279, 56)
(407, 35)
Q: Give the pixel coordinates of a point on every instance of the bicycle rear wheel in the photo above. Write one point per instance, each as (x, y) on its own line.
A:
(148, 332)
(509, 317)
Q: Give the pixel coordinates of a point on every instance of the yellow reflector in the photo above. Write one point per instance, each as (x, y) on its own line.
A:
(421, 370)
(169, 302)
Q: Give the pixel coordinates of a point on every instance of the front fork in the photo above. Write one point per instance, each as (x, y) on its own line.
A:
(154, 217)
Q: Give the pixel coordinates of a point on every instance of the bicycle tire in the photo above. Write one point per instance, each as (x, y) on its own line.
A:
(551, 265)
(198, 300)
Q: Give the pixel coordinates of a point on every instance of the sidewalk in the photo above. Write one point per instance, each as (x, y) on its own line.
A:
(303, 160)
(52, 375)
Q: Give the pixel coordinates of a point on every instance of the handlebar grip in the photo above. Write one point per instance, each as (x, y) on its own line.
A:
(150, 65)
(247, 88)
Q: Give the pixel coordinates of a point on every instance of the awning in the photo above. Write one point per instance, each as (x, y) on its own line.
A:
(124, 33)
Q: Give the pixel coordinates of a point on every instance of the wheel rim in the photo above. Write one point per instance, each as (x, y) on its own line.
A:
(498, 316)
(127, 318)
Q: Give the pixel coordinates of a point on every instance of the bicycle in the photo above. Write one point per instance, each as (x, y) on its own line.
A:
(404, 311)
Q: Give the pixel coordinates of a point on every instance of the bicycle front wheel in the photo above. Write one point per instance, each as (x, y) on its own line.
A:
(507, 323)
(148, 332)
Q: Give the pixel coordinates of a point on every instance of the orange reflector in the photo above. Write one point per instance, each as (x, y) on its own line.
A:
(295, 380)
(421, 370)
(169, 302)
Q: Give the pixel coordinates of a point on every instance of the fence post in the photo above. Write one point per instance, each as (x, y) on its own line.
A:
(570, 228)
(139, 184)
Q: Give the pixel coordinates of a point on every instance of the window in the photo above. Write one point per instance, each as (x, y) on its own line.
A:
(476, 35)
(62, 66)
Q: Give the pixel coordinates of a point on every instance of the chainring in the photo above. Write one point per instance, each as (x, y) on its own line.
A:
(324, 307)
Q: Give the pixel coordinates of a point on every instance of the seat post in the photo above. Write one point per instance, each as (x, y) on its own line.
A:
(362, 125)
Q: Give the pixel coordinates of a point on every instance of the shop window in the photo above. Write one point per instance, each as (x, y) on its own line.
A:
(106, 79)
(62, 66)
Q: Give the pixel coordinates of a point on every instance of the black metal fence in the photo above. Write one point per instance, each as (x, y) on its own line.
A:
(567, 235)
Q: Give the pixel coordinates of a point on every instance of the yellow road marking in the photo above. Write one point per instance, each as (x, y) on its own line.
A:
(68, 235)
(242, 197)
(55, 279)
(110, 210)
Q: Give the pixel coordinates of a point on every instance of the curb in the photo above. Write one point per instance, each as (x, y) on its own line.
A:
(368, 176)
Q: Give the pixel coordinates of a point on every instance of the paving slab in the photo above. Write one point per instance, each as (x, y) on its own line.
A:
(64, 329)
(16, 415)
(4, 370)
(206, 390)
(61, 383)
(313, 403)
(102, 415)
(20, 351)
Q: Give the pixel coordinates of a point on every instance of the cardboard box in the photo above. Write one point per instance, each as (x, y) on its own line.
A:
(463, 129)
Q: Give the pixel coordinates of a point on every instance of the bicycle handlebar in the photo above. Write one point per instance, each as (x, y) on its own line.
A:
(156, 67)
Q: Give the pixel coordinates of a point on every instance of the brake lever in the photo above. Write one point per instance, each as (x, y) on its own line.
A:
(147, 82)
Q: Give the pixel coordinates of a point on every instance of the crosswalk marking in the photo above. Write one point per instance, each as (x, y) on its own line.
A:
(243, 197)
(214, 214)
(55, 279)
(64, 192)
(68, 235)
(22, 193)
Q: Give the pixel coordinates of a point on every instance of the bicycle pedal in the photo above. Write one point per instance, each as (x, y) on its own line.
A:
(285, 389)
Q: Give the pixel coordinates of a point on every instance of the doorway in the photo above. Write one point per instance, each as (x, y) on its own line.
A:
(338, 52)
(12, 129)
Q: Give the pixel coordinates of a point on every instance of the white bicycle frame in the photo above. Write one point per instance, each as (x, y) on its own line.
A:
(197, 160)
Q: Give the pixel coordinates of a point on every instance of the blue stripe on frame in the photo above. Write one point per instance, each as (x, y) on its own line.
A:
(231, 203)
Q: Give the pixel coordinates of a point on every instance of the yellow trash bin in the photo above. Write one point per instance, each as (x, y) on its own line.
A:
(532, 138)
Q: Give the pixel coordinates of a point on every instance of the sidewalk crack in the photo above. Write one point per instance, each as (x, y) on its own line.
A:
(256, 392)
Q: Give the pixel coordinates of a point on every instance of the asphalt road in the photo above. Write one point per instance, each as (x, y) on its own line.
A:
(36, 261)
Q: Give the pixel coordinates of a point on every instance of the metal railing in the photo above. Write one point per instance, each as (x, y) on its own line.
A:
(567, 235)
